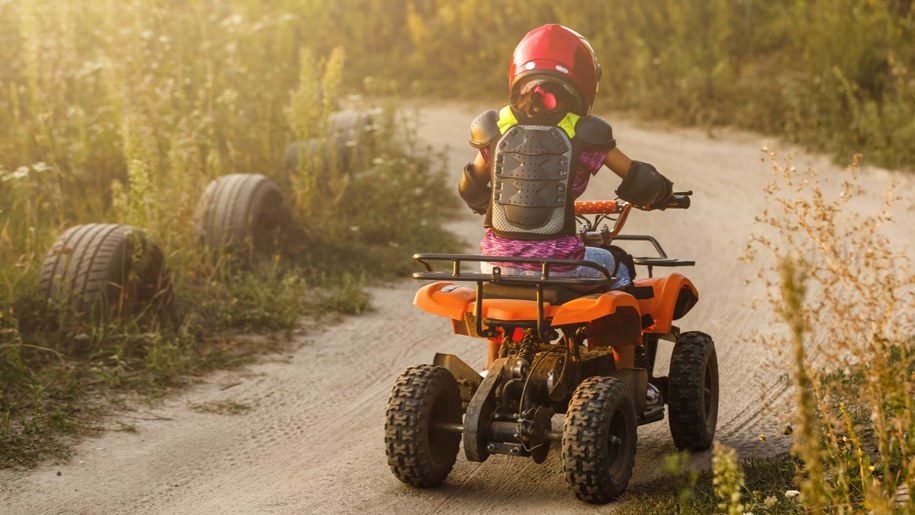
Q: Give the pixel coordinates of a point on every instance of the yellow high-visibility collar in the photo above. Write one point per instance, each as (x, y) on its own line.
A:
(507, 120)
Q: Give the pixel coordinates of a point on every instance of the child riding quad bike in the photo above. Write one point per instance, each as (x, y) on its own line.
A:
(561, 341)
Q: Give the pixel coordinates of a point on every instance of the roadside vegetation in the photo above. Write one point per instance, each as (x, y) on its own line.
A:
(835, 75)
(842, 291)
(124, 112)
(845, 290)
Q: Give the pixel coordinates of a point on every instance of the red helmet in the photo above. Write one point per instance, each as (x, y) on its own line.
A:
(554, 51)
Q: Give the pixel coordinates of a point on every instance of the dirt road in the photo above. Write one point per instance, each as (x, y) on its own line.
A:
(312, 441)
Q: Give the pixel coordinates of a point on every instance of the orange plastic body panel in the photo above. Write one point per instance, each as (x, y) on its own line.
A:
(661, 306)
(512, 309)
(586, 309)
(451, 303)
(449, 300)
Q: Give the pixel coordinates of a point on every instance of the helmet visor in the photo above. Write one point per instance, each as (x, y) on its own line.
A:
(555, 94)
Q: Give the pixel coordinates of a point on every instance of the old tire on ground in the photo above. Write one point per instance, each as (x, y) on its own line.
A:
(420, 453)
(349, 135)
(103, 270)
(241, 213)
(599, 440)
(693, 392)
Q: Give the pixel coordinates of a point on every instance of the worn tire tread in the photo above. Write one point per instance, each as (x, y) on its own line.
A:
(407, 423)
(87, 262)
(584, 445)
(227, 212)
(686, 402)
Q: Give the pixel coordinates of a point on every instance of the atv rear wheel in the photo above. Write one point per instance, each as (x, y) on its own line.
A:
(693, 392)
(421, 451)
(599, 440)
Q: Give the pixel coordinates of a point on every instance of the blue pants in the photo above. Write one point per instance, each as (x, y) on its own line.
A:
(600, 256)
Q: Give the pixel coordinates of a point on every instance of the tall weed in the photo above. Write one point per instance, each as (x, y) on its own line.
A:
(846, 291)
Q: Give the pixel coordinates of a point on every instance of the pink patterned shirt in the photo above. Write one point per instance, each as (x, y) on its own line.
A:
(564, 247)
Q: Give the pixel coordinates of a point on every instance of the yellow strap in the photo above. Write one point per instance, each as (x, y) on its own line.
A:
(568, 124)
(507, 120)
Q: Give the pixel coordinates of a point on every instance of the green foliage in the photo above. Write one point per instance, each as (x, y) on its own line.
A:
(837, 75)
(727, 479)
(221, 407)
(270, 296)
(755, 485)
(125, 112)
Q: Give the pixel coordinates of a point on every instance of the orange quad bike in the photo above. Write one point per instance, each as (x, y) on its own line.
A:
(565, 345)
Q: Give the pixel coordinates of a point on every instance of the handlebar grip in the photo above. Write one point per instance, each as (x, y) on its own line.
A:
(677, 201)
(596, 207)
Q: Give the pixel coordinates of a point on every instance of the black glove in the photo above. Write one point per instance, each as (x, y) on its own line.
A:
(645, 187)
(476, 195)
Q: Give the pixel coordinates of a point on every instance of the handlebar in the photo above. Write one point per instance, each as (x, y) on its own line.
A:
(678, 200)
(607, 209)
(597, 207)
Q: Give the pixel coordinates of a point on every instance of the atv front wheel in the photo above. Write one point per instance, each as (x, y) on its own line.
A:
(693, 392)
(419, 435)
(599, 440)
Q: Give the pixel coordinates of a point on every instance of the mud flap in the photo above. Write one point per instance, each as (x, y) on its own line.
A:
(479, 414)
(467, 378)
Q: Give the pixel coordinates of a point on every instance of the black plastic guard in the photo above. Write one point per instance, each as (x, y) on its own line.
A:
(479, 414)
(467, 378)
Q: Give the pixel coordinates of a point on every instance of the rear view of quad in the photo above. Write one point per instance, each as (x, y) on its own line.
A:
(566, 345)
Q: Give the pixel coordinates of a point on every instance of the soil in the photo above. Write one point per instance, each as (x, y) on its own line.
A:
(312, 438)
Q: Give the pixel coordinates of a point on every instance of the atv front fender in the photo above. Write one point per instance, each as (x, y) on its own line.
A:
(671, 297)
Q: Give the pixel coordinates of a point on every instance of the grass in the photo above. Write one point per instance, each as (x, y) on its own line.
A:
(53, 371)
(843, 291)
(834, 75)
(129, 123)
(762, 488)
(227, 407)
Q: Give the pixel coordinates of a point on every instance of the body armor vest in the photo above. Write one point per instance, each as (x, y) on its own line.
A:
(532, 171)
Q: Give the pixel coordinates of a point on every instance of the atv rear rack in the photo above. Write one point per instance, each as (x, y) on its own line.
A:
(582, 285)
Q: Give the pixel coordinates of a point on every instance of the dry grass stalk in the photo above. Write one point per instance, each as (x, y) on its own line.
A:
(846, 292)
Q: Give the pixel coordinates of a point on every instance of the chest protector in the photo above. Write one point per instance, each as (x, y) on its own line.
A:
(532, 170)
